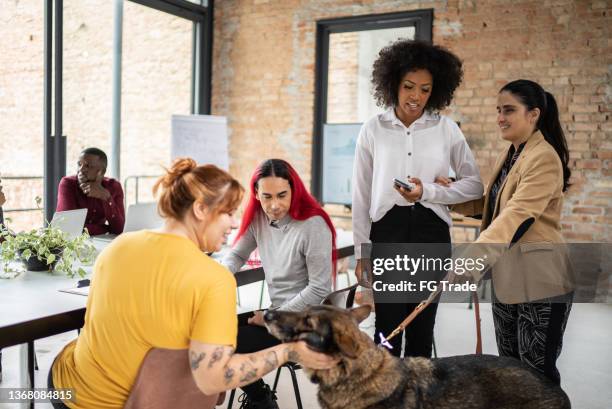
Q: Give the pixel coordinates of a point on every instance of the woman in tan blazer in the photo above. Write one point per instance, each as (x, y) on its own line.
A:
(532, 280)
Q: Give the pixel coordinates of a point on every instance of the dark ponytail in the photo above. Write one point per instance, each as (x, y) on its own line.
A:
(549, 125)
(533, 96)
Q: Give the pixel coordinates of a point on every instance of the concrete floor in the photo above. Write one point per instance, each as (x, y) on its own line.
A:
(585, 364)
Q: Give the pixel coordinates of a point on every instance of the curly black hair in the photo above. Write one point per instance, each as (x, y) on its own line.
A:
(404, 56)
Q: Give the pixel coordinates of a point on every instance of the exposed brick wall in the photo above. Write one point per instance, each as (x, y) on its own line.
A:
(565, 46)
(21, 102)
(342, 84)
(264, 81)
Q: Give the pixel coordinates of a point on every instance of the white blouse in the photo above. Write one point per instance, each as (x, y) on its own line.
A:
(428, 148)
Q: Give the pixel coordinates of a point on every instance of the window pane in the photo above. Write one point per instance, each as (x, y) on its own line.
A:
(21, 110)
(156, 84)
(351, 56)
(87, 77)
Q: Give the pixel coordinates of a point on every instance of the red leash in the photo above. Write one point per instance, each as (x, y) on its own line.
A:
(477, 317)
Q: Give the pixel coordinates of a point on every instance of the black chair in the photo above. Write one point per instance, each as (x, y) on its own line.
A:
(292, 367)
(343, 298)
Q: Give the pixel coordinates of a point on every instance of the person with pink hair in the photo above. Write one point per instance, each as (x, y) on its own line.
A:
(296, 242)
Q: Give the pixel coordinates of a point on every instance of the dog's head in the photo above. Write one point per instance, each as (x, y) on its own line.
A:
(326, 329)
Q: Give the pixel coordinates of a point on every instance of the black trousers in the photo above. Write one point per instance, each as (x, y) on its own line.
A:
(408, 224)
(533, 332)
(253, 338)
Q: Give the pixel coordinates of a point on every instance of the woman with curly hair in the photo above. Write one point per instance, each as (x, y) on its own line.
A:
(411, 141)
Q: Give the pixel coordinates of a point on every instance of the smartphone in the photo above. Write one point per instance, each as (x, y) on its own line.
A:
(407, 186)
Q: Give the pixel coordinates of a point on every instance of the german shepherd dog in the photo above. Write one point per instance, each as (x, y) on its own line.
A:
(368, 376)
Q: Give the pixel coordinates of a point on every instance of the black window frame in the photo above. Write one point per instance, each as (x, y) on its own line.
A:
(422, 20)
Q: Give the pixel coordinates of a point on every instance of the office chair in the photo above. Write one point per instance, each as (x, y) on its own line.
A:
(343, 298)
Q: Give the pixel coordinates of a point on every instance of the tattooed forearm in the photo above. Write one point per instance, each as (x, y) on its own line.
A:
(236, 370)
(229, 375)
(248, 371)
(292, 355)
(271, 361)
(215, 357)
(251, 375)
(195, 359)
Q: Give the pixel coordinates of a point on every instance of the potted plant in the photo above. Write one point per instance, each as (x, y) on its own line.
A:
(44, 249)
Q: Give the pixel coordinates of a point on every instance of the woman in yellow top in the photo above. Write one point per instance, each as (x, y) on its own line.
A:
(158, 290)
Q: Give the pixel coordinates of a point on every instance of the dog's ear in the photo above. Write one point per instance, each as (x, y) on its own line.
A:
(361, 313)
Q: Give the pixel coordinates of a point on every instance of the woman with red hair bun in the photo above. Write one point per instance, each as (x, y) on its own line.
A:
(296, 242)
(167, 339)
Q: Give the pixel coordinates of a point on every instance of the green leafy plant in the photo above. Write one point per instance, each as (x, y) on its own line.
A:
(49, 245)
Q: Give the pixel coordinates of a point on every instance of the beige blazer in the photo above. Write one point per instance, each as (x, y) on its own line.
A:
(530, 198)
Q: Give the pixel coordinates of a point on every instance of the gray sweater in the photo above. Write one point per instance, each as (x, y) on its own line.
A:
(296, 257)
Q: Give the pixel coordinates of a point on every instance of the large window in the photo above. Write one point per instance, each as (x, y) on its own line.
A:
(346, 50)
(351, 55)
(62, 89)
(21, 115)
(87, 77)
(156, 83)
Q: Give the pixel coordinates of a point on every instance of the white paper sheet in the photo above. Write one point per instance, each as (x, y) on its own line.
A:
(201, 137)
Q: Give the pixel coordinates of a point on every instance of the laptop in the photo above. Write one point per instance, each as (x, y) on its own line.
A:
(70, 221)
(142, 216)
(139, 216)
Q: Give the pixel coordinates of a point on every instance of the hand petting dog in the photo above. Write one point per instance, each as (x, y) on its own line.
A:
(302, 354)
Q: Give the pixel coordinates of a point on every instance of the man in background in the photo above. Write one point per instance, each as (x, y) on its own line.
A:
(89, 189)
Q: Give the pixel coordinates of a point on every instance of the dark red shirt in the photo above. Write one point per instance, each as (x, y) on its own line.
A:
(103, 216)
